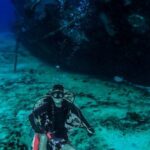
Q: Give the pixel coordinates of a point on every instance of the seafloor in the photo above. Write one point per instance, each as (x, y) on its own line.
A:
(118, 112)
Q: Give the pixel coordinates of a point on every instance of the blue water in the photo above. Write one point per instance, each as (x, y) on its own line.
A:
(7, 15)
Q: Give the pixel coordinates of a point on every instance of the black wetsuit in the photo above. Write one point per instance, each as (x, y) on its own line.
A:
(48, 117)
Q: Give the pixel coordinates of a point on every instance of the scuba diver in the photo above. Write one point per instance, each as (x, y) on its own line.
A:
(52, 117)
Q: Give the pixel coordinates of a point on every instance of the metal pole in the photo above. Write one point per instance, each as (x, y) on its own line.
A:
(16, 54)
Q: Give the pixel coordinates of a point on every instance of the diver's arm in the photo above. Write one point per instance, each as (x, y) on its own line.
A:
(77, 112)
(30, 8)
(35, 4)
(35, 118)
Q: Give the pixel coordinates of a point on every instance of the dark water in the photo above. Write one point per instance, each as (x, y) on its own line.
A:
(7, 15)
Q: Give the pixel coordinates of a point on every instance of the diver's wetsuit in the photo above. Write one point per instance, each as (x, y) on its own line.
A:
(49, 118)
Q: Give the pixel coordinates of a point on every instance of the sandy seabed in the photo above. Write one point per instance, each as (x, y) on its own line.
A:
(118, 112)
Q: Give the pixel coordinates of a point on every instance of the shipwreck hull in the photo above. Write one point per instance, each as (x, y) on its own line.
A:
(103, 42)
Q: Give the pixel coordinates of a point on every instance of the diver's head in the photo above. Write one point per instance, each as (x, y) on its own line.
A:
(58, 87)
(58, 94)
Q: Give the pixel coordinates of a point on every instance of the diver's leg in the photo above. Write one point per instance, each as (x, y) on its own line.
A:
(67, 147)
(43, 142)
(35, 142)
